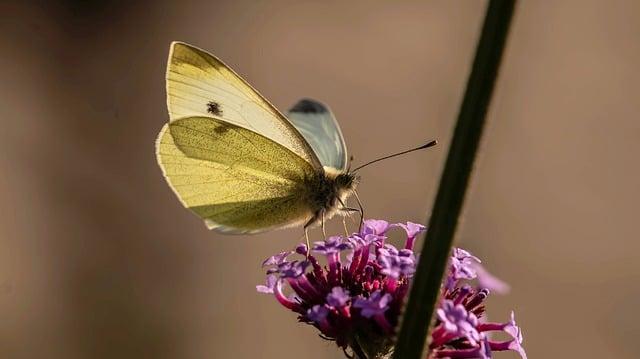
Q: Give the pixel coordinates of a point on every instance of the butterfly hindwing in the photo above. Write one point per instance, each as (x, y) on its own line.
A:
(317, 124)
(235, 179)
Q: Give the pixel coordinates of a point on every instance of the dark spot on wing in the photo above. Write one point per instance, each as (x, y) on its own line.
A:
(214, 108)
(221, 130)
(309, 106)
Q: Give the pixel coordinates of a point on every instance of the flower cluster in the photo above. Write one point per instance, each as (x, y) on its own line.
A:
(459, 330)
(355, 296)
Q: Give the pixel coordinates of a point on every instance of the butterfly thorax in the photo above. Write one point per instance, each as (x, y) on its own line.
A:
(330, 191)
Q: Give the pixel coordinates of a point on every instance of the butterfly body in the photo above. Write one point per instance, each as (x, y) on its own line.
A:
(237, 162)
(329, 193)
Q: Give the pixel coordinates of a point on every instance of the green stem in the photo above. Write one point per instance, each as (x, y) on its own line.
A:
(453, 183)
(357, 350)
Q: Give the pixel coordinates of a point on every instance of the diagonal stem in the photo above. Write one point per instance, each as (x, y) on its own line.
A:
(453, 183)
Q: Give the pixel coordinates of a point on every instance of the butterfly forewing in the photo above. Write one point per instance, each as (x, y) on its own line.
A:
(198, 84)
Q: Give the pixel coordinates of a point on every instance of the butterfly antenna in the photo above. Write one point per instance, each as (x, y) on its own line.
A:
(426, 145)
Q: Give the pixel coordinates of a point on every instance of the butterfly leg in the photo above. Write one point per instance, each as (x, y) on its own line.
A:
(306, 231)
(348, 211)
(344, 224)
(306, 236)
(324, 233)
(344, 217)
(361, 210)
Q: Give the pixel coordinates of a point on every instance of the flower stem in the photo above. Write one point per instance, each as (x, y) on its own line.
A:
(357, 350)
(453, 183)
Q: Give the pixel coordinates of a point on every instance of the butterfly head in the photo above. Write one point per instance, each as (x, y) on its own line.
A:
(347, 181)
(334, 187)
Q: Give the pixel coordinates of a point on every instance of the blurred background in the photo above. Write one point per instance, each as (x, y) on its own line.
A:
(99, 260)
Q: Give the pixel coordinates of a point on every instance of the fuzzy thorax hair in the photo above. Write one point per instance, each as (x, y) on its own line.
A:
(330, 192)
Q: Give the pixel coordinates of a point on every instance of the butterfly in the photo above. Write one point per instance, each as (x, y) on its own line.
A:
(240, 164)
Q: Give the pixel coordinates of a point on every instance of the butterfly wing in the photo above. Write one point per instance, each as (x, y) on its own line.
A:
(198, 84)
(316, 123)
(235, 179)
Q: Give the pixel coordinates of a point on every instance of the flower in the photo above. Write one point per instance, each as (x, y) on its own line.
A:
(276, 259)
(396, 263)
(318, 313)
(376, 304)
(412, 230)
(376, 226)
(457, 322)
(292, 269)
(352, 290)
(338, 297)
(269, 285)
(462, 265)
(458, 331)
(332, 245)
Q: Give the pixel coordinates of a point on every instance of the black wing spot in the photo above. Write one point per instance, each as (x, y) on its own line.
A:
(221, 130)
(214, 108)
(309, 106)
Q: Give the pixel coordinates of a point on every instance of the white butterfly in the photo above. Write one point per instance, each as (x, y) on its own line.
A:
(237, 162)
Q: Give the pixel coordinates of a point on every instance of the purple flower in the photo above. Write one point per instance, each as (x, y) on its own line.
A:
(276, 259)
(318, 313)
(332, 245)
(269, 285)
(274, 286)
(375, 226)
(516, 345)
(516, 333)
(375, 307)
(484, 352)
(462, 266)
(292, 269)
(458, 321)
(453, 323)
(510, 328)
(376, 304)
(358, 241)
(464, 263)
(338, 297)
(407, 253)
(396, 264)
(364, 294)
(302, 249)
(412, 230)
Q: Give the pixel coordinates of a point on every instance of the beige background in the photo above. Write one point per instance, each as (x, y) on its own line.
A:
(98, 259)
